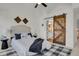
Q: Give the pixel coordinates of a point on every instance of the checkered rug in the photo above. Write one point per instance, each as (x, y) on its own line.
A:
(55, 50)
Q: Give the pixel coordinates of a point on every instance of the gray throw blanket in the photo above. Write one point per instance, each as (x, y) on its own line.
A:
(36, 46)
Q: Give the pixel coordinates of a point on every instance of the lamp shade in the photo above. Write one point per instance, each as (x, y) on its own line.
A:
(3, 35)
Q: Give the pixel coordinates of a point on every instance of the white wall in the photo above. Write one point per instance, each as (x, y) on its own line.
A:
(11, 11)
(69, 23)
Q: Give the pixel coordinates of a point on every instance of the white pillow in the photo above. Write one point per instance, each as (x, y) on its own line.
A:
(24, 35)
(46, 44)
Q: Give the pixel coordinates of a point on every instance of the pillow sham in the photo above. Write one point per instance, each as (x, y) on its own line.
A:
(17, 36)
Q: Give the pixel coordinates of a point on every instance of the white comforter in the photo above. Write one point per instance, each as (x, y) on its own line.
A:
(21, 46)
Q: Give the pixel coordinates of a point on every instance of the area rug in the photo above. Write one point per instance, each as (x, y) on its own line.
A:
(55, 50)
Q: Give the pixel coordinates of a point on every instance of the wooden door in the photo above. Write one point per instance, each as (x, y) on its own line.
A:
(59, 29)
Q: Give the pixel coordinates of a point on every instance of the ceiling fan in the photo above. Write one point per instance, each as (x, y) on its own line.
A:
(41, 4)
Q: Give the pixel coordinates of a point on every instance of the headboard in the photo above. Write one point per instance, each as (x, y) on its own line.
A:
(19, 29)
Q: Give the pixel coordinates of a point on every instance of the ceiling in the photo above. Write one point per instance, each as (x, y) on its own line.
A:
(28, 5)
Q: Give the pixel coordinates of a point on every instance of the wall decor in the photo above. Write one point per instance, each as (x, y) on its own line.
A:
(17, 19)
(25, 20)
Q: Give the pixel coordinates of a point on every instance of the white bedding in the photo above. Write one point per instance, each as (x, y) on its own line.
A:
(22, 45)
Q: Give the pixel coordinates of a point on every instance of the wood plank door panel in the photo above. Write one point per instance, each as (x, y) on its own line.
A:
(59, 29)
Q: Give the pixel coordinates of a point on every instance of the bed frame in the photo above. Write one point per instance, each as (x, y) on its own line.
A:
(19, 29)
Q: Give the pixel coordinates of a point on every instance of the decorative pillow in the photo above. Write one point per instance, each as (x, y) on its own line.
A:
(17, 36)
(36, 46)
(30, 34)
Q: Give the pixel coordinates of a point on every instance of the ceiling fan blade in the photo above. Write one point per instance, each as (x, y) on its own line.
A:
(44, 4)
(36, 5)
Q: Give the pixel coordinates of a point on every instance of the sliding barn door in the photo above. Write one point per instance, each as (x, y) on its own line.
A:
(59, 29)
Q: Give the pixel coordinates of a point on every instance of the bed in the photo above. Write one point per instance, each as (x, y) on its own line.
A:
(22, 46)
